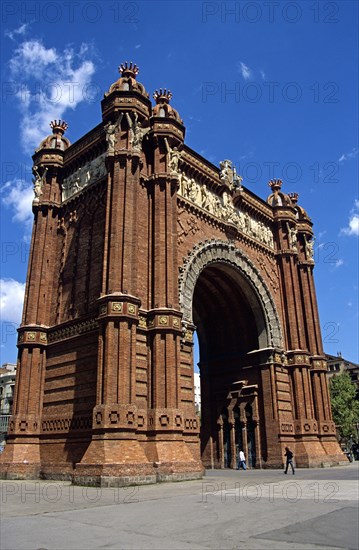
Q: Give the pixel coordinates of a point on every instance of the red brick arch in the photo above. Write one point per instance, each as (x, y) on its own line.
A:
(217, 251)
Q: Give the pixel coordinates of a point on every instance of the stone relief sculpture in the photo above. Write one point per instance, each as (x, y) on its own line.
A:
(224, 209)
(174, 156)
(309, 248)
(110, 130)
(229, 176)
(83, 176)
(38, 181)
(293, 238)
(137, 133)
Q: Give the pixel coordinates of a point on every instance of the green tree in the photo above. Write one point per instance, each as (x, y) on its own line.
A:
(345, 407)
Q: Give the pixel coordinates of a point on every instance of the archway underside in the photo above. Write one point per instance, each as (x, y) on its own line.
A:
(230, 324)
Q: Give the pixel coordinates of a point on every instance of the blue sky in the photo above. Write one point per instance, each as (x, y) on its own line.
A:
(270, 85)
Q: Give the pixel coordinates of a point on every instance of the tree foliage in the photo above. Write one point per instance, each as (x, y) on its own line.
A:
(345, 407)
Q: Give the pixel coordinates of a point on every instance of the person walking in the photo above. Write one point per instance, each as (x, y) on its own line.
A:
(289, 460)
(241, 461)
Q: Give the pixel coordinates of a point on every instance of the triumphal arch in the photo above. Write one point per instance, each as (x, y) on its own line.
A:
(138, 241)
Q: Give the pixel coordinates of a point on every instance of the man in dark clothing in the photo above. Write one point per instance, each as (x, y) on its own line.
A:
(289, 456)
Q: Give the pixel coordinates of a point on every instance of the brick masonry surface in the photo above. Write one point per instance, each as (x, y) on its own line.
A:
(137, 242)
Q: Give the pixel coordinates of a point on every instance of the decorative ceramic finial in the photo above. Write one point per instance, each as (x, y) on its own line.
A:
(293, 197)
(275, 185)
(128, 69)
(58, 126)
(162, 96)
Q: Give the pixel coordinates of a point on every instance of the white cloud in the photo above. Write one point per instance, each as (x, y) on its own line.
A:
(18, 195)
(263, 75)
(11, 300)
(31, 58)
(339, 263)
(21, 30)
(351, 155)
(48, 83)
(245, 71)
(353, 225)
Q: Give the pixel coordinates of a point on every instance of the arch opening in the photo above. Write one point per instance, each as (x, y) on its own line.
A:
(230, 324)
(225, 298)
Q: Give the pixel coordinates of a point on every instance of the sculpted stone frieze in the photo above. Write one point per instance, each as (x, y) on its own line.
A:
(224, 209)
(84, 176)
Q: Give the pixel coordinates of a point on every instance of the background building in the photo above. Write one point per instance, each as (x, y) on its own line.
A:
(197, 391)
(7, 385)
(337, 365)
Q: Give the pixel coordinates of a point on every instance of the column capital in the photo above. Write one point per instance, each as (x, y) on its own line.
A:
(119, 306)
(32, 335)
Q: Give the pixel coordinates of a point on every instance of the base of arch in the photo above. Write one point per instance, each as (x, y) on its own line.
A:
(114, 475)
(156, 461)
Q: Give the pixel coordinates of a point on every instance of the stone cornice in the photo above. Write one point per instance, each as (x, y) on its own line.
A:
(84, 144)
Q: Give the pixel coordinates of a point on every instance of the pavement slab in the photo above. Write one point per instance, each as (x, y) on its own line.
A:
(316, 509)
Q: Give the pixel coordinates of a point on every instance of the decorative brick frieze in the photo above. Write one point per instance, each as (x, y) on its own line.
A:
(26, 424)
(168, 420)
(318, 363)
(187, 333)
(286, 253)
(298, 358)
(326, 428)
(122, 306)
(164, 320)
(266, 357)
(57, 424)
(70, 330)
(32, 335)
(192, 424)
(306, 427)
(287, 428)
(306, 263)
(118, 417)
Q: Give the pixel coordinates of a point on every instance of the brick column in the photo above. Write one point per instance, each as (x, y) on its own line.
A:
(317, 400)
(21, 458)
(169, 423)
(115, 449)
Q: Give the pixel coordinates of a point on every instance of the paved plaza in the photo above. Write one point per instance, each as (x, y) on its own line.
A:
(253, 509)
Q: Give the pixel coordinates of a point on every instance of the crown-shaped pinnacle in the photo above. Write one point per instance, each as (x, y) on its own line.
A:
(293, 197)
(162, 95)
(58, 126)
(128, 69)
(275, 184)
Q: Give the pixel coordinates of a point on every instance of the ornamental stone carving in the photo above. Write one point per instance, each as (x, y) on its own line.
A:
(38, 182)
(136, 132)
(84, 176)
(222, 207)
(110, 131)
(229, 175)
(293, 238)
(174, 157)
(309, 248)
